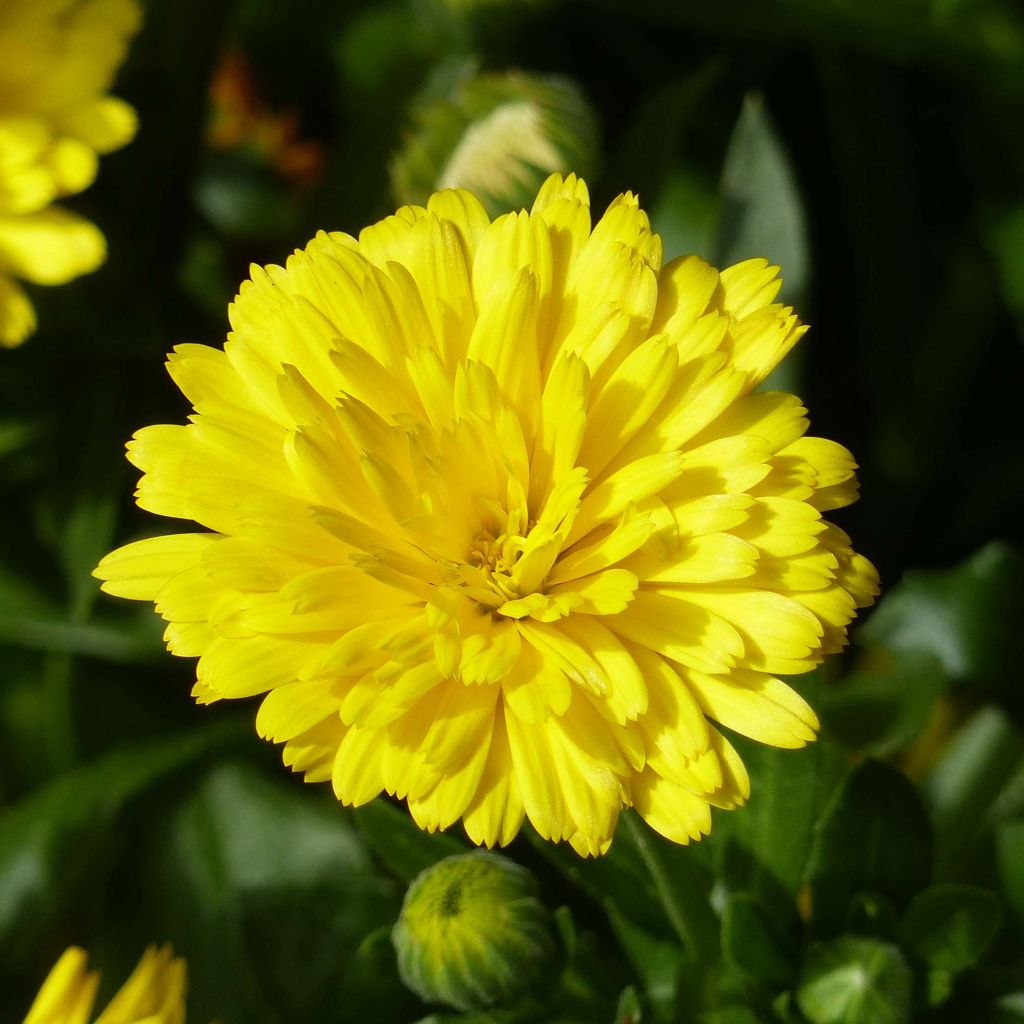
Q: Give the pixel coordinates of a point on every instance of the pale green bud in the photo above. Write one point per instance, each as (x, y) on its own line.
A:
(499, 136)
(472, 932)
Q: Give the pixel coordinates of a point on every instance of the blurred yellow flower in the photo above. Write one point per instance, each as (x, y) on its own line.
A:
(154, 994)
(57, 60)
(500, 525)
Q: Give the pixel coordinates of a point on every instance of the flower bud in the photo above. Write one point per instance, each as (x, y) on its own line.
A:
(472, 932)
(499, 136)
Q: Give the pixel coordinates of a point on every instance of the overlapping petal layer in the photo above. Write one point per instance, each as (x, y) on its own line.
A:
(58, 58)
(498, 523)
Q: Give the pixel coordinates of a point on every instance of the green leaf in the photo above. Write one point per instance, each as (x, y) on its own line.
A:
(629, 1011)
(381, 44)
(855, 981)
(29, 618)
(949, 927)
(681, 887)
(874, 837)
(762, 214)
(764, 849)
(139, 642)
(755, 945)
(1009, 1009)
(981, 764)
(884, 707)
(965, 616)
(243, 199)
(17, 434)
(646, 160)
(270, 887)
(618, 876)
(49, 842)
(685, 214)
(1006, 239)
(87, 534)
(656, 962)
(403, 847)
(1010, 855)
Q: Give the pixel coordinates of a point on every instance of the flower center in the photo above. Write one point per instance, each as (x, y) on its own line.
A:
(496, 557)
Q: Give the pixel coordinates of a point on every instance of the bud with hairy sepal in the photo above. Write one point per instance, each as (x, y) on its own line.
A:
(498, 135)
(473, 933)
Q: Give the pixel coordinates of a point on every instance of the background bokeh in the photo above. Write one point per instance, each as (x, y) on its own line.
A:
(875, 150)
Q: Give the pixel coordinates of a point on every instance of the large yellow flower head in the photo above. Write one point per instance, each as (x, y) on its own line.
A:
(57, 61)
(154, 994)
(498, 525)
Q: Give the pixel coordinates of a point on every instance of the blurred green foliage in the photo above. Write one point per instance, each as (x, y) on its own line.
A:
(874, 149)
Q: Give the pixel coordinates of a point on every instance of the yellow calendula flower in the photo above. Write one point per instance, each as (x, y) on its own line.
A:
(154, 994)
(499, 524)
(57, 61)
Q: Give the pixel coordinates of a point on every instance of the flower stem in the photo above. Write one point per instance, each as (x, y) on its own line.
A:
(681, 893)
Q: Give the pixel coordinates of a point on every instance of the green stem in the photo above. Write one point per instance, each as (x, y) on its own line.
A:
(60, 727)
(681, 892)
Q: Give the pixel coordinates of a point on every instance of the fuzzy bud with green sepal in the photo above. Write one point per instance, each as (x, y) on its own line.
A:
(498, 135)
(473, 932)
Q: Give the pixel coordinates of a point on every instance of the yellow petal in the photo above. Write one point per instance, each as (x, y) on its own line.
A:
(669, 809)
(52, 246)
(138, 571)
(104, 124)
(17, 315)
(755, 705)
(246, 667)
(496, 811)
(155, 992)
(680, 630)
(68, 992)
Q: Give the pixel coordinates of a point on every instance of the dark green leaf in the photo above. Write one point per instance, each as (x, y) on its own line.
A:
(764, 849)
(619, 876)
(681, 887)
(271, 888)
(48, 843)
(244, 200)
(655, 961)
(1010, 852)
(139, 642)
(761, 210)
(685, 214)
(873, 838)
(884, 707)
(965, 616)
(16, 434)
(967, 785)
(402, 847)
(1006, 239)
(87, 534)
(755, 945)
(855, 981)
(950, 926)
(647, 158)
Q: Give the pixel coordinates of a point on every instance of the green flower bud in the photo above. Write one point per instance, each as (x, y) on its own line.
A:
(499, 136)
(472, 932)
